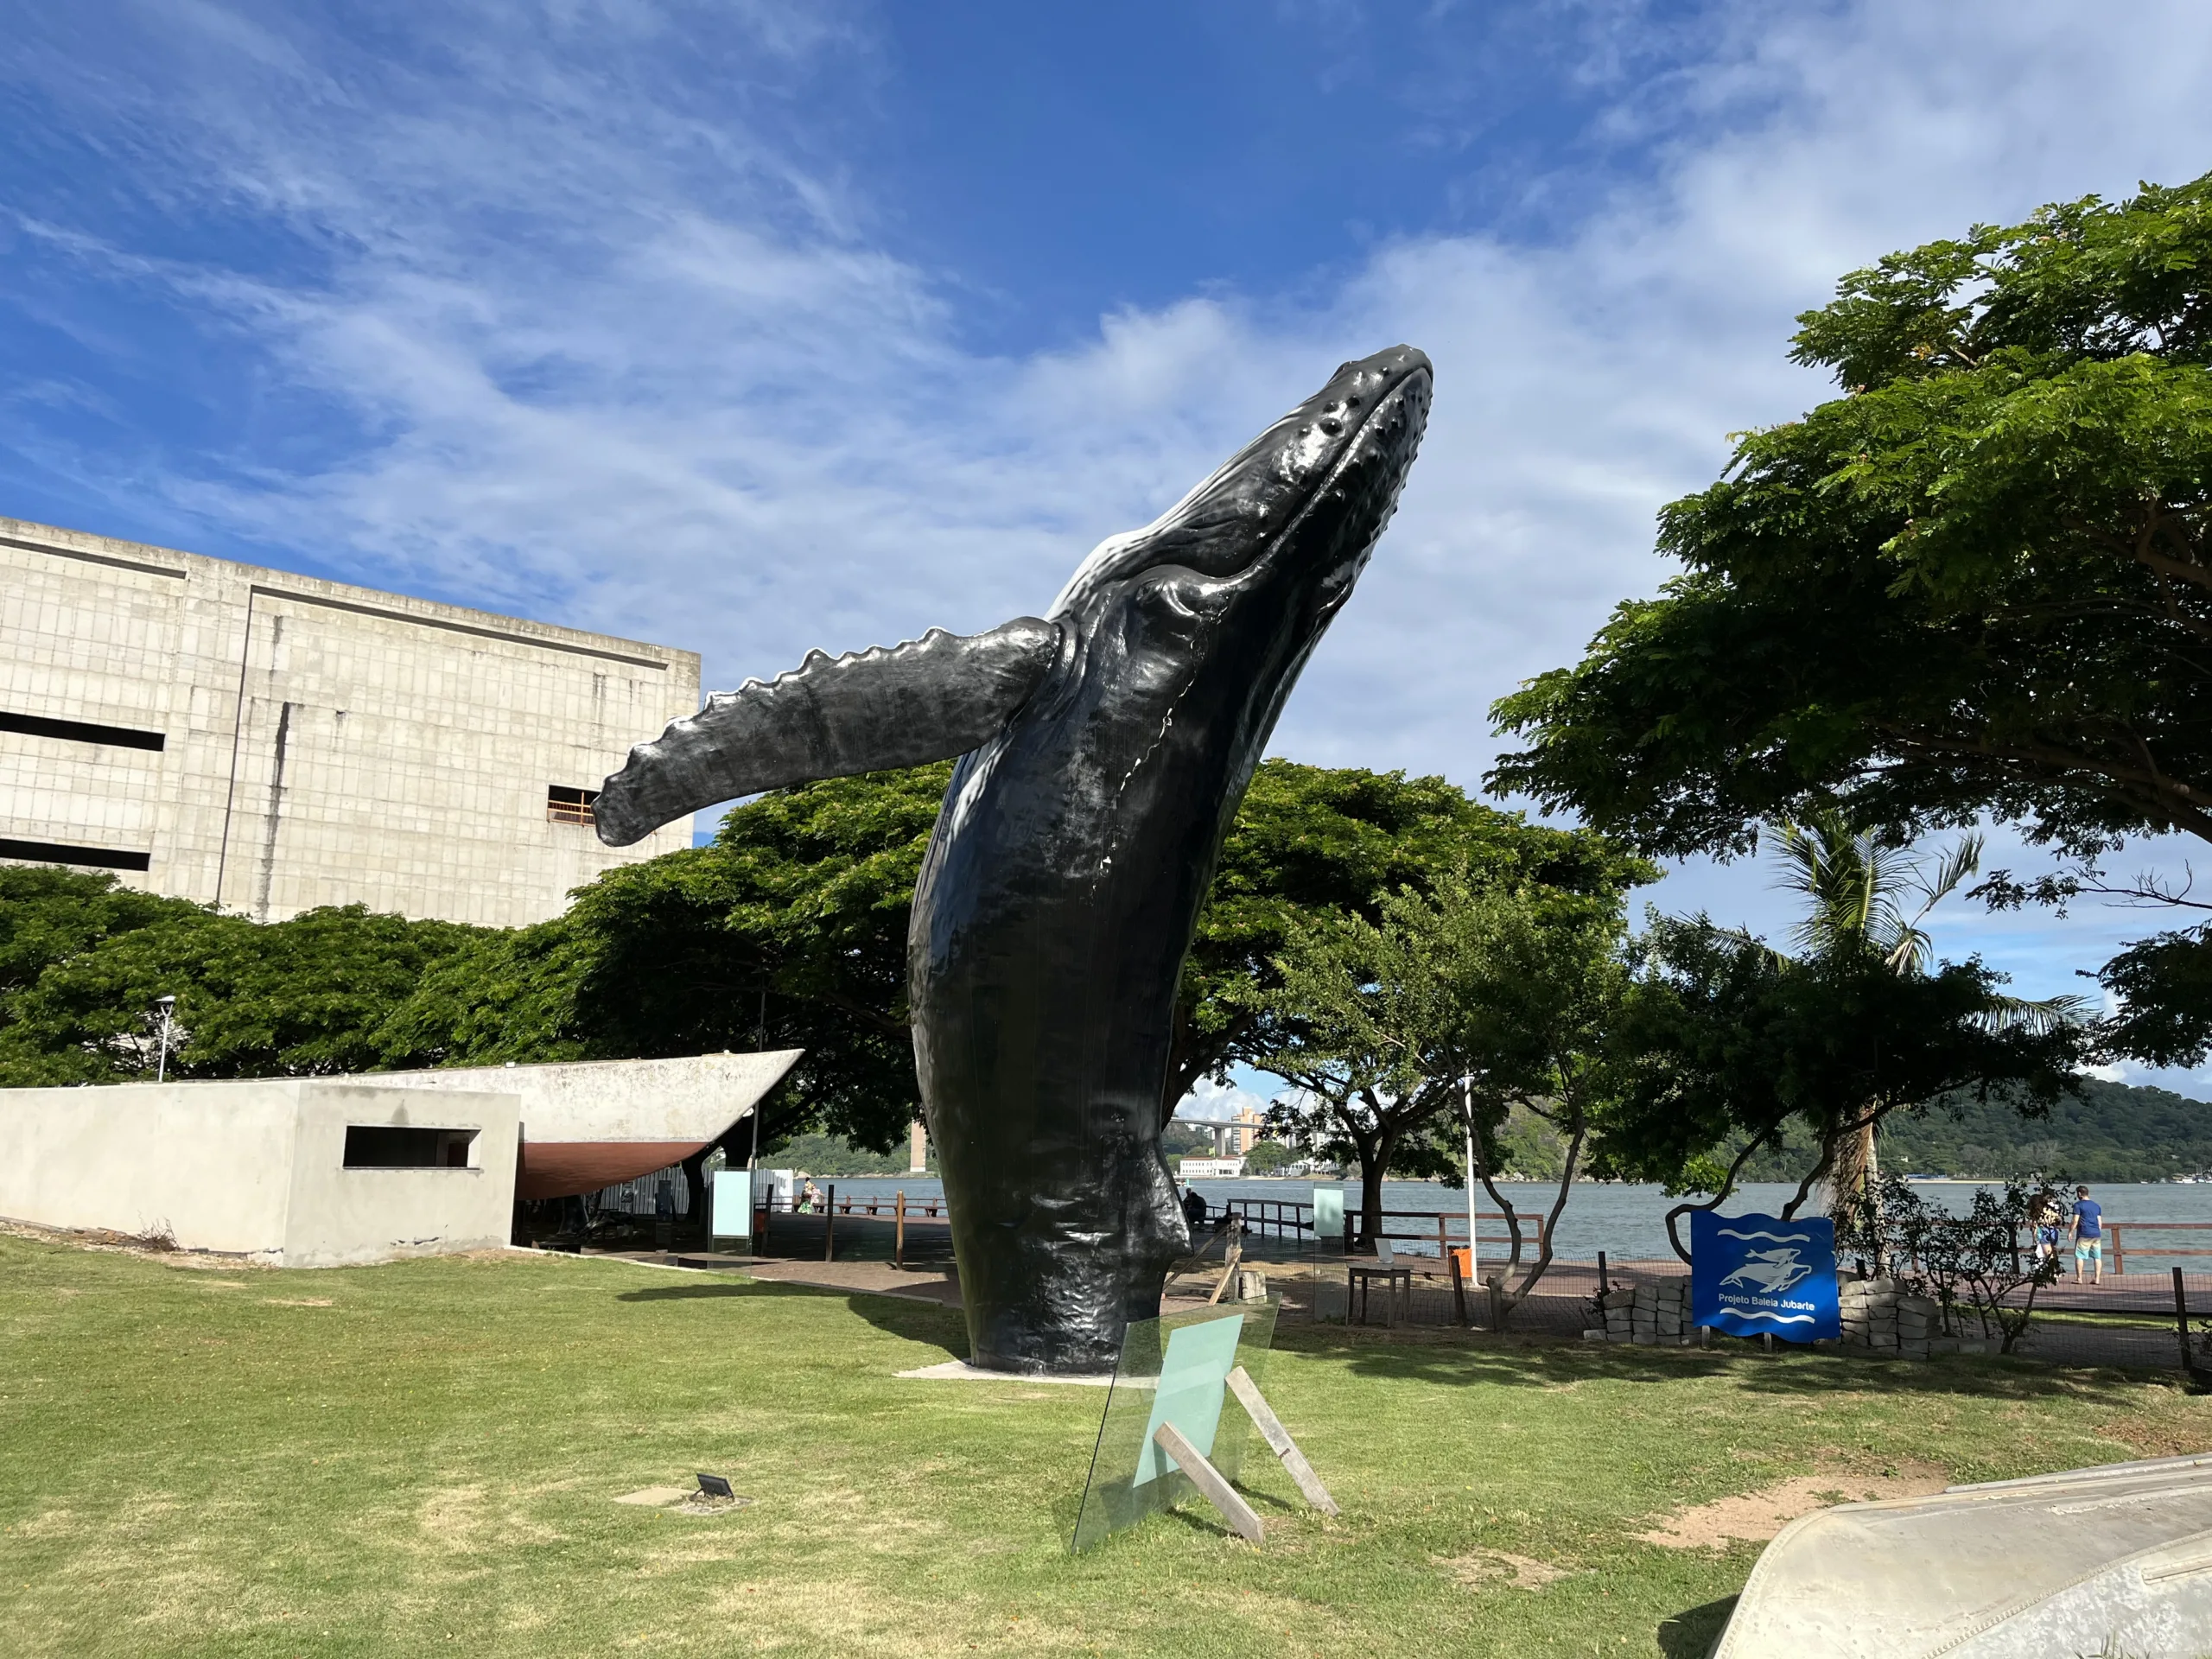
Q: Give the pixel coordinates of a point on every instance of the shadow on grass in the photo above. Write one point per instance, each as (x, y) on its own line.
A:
(1536, 1362)
(1695, 1634)
(899, 1316)
(1449, 1357)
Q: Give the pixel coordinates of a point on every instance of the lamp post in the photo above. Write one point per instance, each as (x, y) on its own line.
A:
(1474, 1244)
(167, 1006)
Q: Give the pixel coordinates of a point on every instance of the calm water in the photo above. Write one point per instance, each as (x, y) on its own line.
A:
(1628, 1221)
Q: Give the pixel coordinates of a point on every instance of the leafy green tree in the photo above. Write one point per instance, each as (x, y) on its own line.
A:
(1266, 1157)
(1856, 891)
(308, 996)
(832, 1155)
(1511, 985)
(2164, 984)
(1312, 844)
(1181, 1140)
(1725, 1043)
(48, 916)
(1978, 583)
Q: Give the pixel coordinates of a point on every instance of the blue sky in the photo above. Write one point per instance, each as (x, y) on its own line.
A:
(754, 327)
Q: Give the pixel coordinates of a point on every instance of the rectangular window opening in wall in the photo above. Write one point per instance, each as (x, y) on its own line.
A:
(389, 1146)
(97, 858)
(82, 731)
(565, 806)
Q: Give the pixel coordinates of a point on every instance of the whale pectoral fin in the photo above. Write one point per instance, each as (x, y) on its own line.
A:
(930, 699)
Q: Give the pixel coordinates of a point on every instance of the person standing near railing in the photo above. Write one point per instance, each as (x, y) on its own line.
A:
(1194, 1211)
(2088, 1231)
(2045, 1216)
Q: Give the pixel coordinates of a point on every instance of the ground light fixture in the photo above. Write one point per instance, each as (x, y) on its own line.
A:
(715, 1486)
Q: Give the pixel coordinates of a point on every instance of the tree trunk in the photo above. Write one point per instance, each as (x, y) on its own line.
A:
(1505, 1203)
(1674, 1216)
(1558, 1207)
(1851, 1178)
(695, 1177)
(1374, 1149)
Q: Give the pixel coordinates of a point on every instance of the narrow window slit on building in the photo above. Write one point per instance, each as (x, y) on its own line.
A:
(98, 858)
(387, 1145)
(565, 806)
(82, 731)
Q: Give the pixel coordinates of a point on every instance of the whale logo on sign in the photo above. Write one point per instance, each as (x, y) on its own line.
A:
(1759, 1275)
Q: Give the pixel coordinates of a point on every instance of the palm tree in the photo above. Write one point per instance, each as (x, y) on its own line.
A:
(1857, 891)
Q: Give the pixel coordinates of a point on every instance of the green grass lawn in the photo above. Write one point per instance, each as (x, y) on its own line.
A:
(420, 1459)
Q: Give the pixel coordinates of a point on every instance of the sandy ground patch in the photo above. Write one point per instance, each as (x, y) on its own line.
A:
(1754, 1517)
(1480, 1568)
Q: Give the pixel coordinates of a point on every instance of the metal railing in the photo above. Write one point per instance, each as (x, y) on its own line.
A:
(1290, 1218)
(2118, 1255)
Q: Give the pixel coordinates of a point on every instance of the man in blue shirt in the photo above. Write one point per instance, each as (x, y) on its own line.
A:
(2088, 1231)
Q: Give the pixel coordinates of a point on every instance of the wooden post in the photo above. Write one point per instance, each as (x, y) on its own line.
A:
(1208, 1480)
(899, 1255)
(1603, 1287)
(2180, 1323)
(2118, 1262)
(1443, 1243)
(1230, 1257)
(829, 1224)
(1279, 1441)
(1459, 1290)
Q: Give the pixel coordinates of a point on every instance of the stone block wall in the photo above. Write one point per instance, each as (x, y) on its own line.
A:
(1650, 1314)
(1878, 1315)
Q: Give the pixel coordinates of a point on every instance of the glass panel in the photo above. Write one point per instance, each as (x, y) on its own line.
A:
(1328, 1213)
(733, 1203)
(1172, 1370)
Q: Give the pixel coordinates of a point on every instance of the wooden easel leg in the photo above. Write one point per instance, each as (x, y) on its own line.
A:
(1236, 1254)
(1279, 1441)
(1207, 1479)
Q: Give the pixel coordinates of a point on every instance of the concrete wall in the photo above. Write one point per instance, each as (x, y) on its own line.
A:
(319, 743)
(210, 1162)
(340, 1217)
(256, 1169)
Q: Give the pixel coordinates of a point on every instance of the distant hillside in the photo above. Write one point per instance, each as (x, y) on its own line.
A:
(2115, 1132)
(831, 1154)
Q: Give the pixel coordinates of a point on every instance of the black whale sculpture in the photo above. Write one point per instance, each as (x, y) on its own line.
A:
(1104, 751)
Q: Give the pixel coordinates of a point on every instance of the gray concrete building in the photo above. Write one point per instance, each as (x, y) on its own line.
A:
(335, 1171)
(271, 742)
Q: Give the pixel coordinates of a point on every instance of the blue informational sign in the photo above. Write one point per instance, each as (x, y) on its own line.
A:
(1757, 1276)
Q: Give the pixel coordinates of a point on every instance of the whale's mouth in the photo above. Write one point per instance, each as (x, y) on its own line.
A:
(1310, 493)
(1335, 531)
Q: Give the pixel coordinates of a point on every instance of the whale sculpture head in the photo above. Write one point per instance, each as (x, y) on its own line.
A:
(1104, 749)
(1299, 506)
